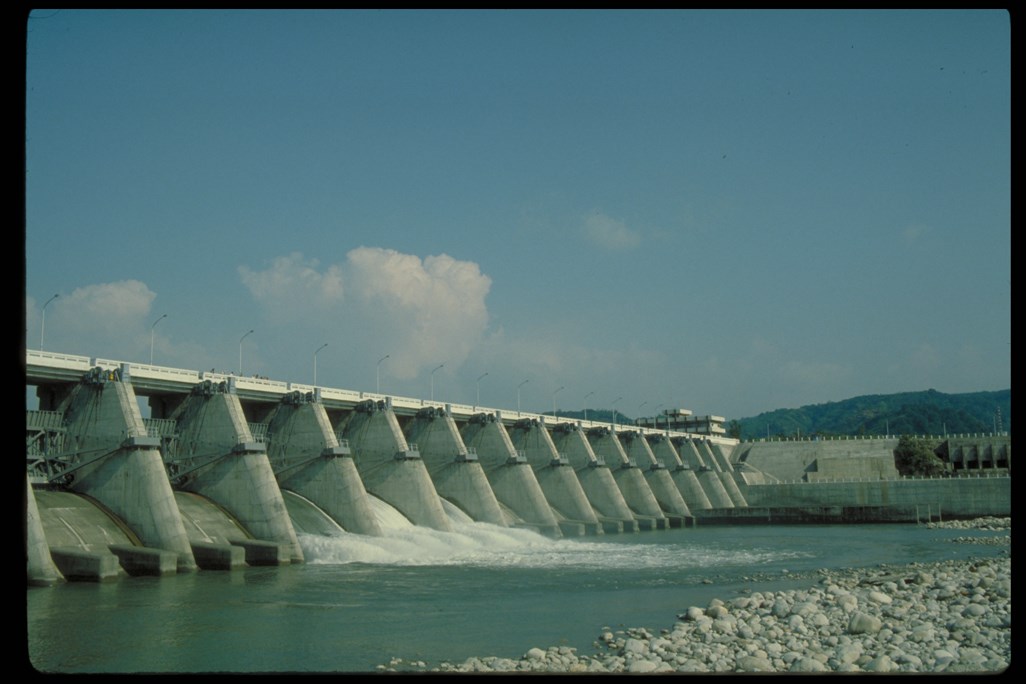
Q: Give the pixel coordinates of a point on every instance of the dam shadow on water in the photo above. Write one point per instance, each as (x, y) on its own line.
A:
(421, 594)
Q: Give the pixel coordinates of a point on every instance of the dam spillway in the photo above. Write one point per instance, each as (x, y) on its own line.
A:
(228, 471)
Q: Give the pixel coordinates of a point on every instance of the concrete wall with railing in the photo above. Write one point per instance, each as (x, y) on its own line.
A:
(968, 496)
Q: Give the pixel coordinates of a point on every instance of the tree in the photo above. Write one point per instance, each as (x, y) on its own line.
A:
(913, 457)
(734, 429)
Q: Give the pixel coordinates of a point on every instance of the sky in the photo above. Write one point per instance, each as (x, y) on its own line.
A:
(724, 211)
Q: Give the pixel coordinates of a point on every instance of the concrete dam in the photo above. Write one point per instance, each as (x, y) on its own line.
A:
(227, 471)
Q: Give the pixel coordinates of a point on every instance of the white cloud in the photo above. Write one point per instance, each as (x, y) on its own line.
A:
(292, 288)
(107, 319)
(379, 301)
(608, 232)
(121, 301)
(423, 312)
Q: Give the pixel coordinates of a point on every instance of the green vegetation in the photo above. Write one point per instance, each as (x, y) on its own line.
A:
(913, 457)
(908, 413)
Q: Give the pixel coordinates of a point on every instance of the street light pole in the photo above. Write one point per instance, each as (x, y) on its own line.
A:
(42, 324)
(614, 412)
(479, 389)
(554, 401)
(518, 395)
(586, 404)
(378, 373)
(315, 361)
(433, 381)
(151, 335)
(240, 350)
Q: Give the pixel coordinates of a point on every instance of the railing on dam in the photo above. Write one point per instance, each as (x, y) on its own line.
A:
(843, 438)
(44, 367)
(966, 475)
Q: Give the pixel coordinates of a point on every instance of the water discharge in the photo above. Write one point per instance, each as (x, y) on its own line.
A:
(478, 544)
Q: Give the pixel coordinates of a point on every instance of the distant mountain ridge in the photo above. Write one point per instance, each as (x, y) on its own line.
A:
(927, 412)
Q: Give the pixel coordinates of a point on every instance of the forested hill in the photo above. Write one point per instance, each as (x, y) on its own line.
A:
(929, 412)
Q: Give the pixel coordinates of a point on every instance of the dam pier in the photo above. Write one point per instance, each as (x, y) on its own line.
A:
(230, 471)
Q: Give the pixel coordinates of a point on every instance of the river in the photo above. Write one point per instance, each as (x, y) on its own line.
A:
(420, 594)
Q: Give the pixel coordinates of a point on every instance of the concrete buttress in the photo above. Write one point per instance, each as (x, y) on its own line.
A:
(556, 477)
(510, 475)
(390, 468)
(657, 474)
(218, 458)
(629, 478)
(116, 463)
(708, 478)
(683, 476)
(456, 472)
(724, 471)
(308, 459)
(596, 479)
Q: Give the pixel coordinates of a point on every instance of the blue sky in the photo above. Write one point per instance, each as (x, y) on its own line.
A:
(726, 211)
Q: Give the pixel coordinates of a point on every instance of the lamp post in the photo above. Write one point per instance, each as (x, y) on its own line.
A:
(433, 380)
(42, 324)
(151, 335)
(614, 412)
(518, 395)
(378, 372)
(479, 389)
(315, 361)
(554, 401)
(586, 404)
(240, 350)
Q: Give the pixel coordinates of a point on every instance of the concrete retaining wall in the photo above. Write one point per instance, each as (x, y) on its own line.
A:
(954, 496)
(791, 460)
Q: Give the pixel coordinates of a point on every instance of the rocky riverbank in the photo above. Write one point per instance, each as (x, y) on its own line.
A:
(951, 616)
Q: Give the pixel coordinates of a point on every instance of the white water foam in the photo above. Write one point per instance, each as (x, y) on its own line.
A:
(486, 545)
(387, 516)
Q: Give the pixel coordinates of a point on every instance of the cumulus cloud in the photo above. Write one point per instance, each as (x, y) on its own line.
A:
(426, 311)
(121, 301)
(292, 288)
(380, 301)
(608, 232)
(108, 319)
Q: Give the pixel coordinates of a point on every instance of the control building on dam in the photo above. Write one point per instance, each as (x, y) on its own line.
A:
(230, 471)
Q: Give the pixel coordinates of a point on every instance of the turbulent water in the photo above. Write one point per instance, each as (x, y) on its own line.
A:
(421, 594)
